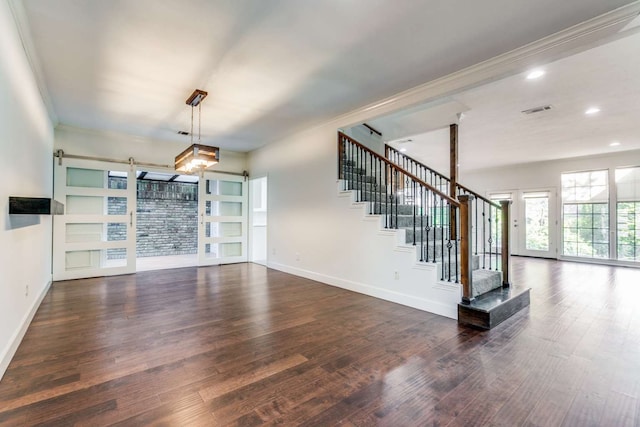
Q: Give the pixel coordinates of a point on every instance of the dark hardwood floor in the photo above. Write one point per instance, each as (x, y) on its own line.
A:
(241, 344)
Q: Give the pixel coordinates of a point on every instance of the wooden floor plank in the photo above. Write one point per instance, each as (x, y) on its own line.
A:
(245, 345)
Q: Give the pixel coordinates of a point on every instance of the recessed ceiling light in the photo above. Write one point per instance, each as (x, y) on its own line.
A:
(592, 110)
(535, 74)
(403, 150)
(614, 144)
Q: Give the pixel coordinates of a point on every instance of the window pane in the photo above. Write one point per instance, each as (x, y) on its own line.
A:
(571, 248)
(586, 223)
(95, 258)
(537, 223)
(628, 213)
(585, 208)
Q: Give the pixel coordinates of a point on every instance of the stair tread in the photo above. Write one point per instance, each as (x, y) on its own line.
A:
(496, 297)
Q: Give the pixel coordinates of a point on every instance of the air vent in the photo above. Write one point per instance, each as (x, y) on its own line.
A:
(182, 132)
(404, 141)
(537, 109)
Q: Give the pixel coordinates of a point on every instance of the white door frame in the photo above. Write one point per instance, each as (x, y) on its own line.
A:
(551, 194)
(258, 226)
(518, 224)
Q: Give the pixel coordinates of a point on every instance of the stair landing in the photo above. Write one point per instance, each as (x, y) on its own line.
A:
(492, 308)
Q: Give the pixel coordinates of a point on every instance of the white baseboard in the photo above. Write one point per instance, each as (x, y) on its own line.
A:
(16, 339)
(374, 291)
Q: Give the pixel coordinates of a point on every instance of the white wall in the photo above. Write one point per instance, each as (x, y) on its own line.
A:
(26, 144)
(315, 233)
(543, 174)
(117, 146)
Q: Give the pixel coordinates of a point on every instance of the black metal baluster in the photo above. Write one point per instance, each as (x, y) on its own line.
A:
(386, 197)
(415, 209)
(475, 226)
(357, 172)
(421, 224)
(435, 225)
(457, 215)
(360, 155)
(484, 237)
(396, 195)
(380, 186)
(391, 173)
(374, 185)
(442, 237)
(372, 196)
(352, 162)
(347, 180)
(490, 241)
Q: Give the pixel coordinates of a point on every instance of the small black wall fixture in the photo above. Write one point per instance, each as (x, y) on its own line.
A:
(34, 206)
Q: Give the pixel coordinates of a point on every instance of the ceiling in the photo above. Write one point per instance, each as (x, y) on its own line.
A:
(494, 132)
(270, 67)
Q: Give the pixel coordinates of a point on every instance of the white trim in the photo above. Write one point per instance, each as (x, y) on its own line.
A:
(24, 31)
(16, 339)
(373, 291)
(600, 261)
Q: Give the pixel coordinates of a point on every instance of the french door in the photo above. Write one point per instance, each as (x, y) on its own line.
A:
(222, 215)
(533, 221)
(97, 234)
(537, 227)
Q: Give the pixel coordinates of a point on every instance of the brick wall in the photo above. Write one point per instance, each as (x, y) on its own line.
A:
(167, 218)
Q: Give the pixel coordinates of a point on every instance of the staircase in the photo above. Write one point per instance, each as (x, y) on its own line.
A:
(460, 236)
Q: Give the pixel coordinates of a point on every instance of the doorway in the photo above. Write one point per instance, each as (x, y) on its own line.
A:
(258, 191)
(533, 221)
(167, 220)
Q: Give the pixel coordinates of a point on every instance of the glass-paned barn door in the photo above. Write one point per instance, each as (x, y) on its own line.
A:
(222, 216)
(97, 234)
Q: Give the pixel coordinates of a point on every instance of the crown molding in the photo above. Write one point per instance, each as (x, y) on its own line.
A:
(580, 37)
(24, 31)
(129, 138)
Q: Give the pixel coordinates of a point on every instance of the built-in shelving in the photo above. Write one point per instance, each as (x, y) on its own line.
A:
(35, 206)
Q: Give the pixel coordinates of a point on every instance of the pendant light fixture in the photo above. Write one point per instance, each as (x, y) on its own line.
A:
(197, 157)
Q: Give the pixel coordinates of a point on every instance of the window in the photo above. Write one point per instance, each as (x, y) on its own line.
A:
(536, 210)
(585, 214)
(628, 213)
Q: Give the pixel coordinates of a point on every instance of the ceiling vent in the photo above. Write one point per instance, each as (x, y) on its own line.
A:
(404, 141)
(537, 109)
(182, 132)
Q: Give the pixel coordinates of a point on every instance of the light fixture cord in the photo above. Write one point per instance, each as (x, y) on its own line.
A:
(199, 120)
(191, 133)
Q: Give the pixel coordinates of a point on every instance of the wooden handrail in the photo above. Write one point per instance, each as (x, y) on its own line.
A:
(398, 168)
(467, 189)
(484, 199)
(390, 148)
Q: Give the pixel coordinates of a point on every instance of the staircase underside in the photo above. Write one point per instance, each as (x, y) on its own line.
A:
(492, 308)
